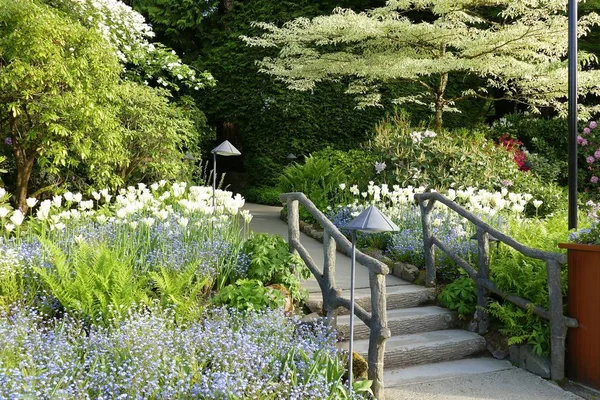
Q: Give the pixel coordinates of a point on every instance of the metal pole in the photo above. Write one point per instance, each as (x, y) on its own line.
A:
(214, 181)
(350, 346)
(572, 114)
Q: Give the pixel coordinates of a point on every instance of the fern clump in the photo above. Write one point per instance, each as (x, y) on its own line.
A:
(97, 283)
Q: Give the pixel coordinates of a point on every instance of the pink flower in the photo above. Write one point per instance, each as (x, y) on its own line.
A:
(590, 159)
(597, 153)
(581, 141)
(593, 125)
(594, 179)
(586, 130)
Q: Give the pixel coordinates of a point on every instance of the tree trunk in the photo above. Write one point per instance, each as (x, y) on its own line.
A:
(24, 169)
(439, 108)
(440, 102)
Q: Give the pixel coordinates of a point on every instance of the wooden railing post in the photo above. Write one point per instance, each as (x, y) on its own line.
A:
(430, 279)
(483, 274)
(329, 292)
(293, 223)
(379, 333)
(558, 328)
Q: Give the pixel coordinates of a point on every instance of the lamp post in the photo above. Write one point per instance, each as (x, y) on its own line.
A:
(224, 149)
(572, 114)
(370, 220)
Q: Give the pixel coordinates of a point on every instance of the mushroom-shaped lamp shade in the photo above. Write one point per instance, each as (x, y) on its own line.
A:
(226, 149)
(372, 220)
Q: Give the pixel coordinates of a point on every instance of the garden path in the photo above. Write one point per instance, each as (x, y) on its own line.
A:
(462, 379)
(266, 220)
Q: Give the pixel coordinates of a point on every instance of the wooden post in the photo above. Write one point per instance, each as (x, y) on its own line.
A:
(430, 279)
(329, 252)
(293, 224)
(483, 273)
(379, 333)
(558, 328)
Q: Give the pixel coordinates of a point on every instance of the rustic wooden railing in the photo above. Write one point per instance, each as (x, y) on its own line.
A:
(558, 322)
(376, 320)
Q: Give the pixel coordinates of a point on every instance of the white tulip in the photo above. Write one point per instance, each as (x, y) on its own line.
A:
(4, 212)
(9, 227)
(31, 201)
(183, 222)
(17, 217)
(68, 196)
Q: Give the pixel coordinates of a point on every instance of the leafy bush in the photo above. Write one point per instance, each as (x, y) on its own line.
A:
(317, 178)
(249, 295)
(460, 296)
(455, 159)
(271, 262)
(263, 195)
(545, 140)
(356, 165)
(440, 160)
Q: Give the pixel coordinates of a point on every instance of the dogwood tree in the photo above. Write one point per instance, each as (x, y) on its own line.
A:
(516, 46)
(127, 33)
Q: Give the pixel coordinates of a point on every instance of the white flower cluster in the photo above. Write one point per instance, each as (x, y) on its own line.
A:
(128, 33)
(159, 201)
(418, 137)
(473, 199)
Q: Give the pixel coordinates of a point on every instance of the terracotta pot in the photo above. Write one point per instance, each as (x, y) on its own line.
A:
(583, 342)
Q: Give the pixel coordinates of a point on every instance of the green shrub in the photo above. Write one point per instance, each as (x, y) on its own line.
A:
(441, 160)
(267, 195)
(454, 159)
(317, 178)
(460, 296)
(356, 165)
(271, 262)
(546, 140)
(249, 295)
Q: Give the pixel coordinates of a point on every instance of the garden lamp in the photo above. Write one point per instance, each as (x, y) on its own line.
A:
(224, 149)
(370, 220)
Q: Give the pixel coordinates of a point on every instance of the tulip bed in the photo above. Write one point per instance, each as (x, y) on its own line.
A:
(111, 297)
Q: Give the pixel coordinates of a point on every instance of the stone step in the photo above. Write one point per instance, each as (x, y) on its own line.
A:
(443, 370)
(401, 296)
(425, 348)
(404, 321)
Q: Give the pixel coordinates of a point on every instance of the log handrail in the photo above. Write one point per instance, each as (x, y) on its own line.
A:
(558, 321)
(376, 320)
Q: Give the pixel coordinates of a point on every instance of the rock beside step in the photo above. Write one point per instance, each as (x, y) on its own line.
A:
(404, 321)
(425, 348)
(401, 296)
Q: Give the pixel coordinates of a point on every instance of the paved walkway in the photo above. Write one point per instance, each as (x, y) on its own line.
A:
(471, 379)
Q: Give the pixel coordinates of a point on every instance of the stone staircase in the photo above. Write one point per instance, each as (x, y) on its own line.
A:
(422, 333)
